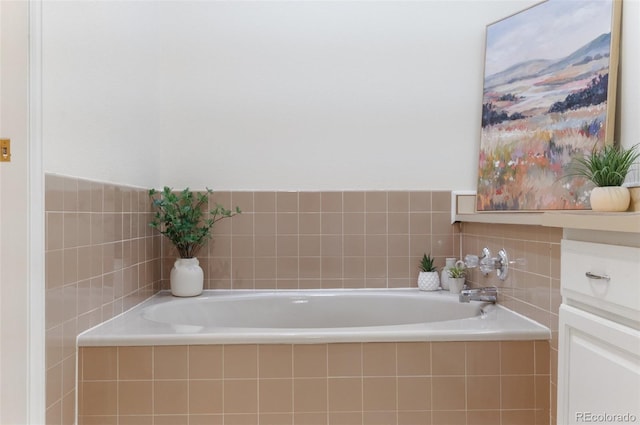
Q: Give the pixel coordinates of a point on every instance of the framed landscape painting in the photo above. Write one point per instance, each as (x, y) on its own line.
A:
(549, 95)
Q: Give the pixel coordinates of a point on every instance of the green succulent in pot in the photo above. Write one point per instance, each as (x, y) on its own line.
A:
(426, 264)
(457, 272)
(180, 216)
(428, 279)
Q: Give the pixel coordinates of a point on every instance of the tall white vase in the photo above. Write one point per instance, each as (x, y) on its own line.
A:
(187, 278)
(444, 277)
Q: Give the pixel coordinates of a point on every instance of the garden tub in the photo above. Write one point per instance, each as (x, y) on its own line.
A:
(310, 317)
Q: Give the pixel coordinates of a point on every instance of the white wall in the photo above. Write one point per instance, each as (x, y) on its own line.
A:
(99, 90)
(628, 104)
(277, 95)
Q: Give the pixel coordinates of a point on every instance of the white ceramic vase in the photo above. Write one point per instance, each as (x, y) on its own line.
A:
(456, 284)
(610, 198)
(444, 276)
(187, 278)
(428, 281)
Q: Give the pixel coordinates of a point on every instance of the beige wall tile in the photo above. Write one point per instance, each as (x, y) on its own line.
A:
(482, 392)
(379, 359)
(170, 362)
(135, 363)
(414, 393)
(517, 357)
(98, 398)
(354, 202)
(344, 394)
(99, 363)
(344, 418)
(448, 358)
(310, 395)
(241, 361)
(518, 392)
(310, 418)
(448, 393)
(523, 417)
(413, 358)
(205, 396)
(345, 359)
(135, 397)
(331, 201)
(483, 417)
(275, 361)
(206, 419)
(309, 201)
(135, 420)
(171, 420)
(170, 397)
(379, 394)
(413, 418)
(441, 201)
(483, 358)
(263, 202)
(310, 361)
(542, 356)
(54, 385)
(276, 418)
(376, 201)
(240, 396)
(444, 417)
(98, 420)
(275, 395)
(379, 418)
(287, 201)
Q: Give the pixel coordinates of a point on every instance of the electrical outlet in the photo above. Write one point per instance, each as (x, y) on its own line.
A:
(5, 150)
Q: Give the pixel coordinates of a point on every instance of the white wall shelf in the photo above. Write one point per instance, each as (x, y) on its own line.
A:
(463, 210)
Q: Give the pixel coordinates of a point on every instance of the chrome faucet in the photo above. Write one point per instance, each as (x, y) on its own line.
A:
(488, 294)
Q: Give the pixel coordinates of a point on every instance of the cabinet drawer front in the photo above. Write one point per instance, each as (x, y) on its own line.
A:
(603, 276)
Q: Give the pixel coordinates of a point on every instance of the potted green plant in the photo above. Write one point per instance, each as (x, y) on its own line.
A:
(180, 216)
(428, 279)
(607, 169)
(457, 276)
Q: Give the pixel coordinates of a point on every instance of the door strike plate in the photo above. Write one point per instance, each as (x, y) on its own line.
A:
(5, 150)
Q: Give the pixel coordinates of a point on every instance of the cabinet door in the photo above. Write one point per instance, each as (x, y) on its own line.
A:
(598, 370)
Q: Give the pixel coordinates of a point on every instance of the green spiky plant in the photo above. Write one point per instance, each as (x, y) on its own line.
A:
(457, 272)
(426, 264)
(608, 166)
(180, 217)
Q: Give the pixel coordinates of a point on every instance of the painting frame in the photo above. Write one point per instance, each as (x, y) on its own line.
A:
(549, 95)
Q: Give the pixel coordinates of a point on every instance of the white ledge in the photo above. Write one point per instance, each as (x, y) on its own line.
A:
(463, 210)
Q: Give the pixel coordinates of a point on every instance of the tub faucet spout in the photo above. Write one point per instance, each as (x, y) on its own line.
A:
(488, 294)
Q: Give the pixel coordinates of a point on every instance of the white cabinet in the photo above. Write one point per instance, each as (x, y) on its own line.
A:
(599, 346)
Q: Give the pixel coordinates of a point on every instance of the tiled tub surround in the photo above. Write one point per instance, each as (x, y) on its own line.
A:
(532, 287)
(408, 383)
(282, 240)
(304, 240)
(101, 259)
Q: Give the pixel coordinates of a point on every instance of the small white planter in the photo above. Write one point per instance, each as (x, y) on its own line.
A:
(610, 198)
(456, 284)
(428, 281)
(187, 278)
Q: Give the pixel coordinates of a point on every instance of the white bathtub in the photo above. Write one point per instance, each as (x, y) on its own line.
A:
(311, 316)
